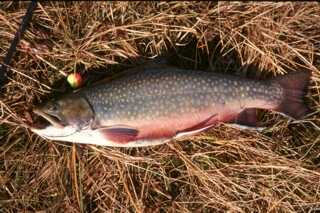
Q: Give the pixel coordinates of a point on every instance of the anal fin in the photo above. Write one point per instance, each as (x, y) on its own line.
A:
(248, 117)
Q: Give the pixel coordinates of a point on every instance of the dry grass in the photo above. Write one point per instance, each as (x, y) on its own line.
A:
(225, 169)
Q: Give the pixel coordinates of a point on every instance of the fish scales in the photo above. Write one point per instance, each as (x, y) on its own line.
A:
(159, 93)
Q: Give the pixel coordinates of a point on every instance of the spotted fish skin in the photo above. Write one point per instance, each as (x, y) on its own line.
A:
(160, 103)
(155, 93)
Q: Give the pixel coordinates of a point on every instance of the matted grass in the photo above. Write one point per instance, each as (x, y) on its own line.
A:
(276, 170)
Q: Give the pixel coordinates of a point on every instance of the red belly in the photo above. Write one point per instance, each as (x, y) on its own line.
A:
(168, 127)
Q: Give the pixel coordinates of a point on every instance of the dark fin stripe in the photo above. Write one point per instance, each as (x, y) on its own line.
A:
(119, 134)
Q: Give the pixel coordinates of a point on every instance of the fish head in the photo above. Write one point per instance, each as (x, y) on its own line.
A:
(63, 116)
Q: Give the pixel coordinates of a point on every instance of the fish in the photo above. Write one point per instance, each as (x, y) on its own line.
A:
(157, 105)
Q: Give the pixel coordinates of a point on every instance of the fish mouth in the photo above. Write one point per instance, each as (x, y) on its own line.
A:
(44, 120)
(49, 126)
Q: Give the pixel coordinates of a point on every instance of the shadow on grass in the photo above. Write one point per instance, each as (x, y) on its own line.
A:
(185, 57)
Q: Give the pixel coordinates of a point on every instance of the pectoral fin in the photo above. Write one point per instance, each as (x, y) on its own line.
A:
(119, 134)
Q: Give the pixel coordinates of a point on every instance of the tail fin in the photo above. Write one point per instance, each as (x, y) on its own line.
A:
(295, 88)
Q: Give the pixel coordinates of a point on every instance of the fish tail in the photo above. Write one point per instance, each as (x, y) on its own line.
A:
(295, 88)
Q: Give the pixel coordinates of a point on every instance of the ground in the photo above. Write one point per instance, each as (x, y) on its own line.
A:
(224, 169)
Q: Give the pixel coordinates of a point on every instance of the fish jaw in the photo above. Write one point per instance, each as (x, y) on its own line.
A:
(53, 132)
(70, 134)
(48, 117)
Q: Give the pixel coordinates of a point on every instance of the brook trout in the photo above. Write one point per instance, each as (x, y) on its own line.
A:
(156, 105)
